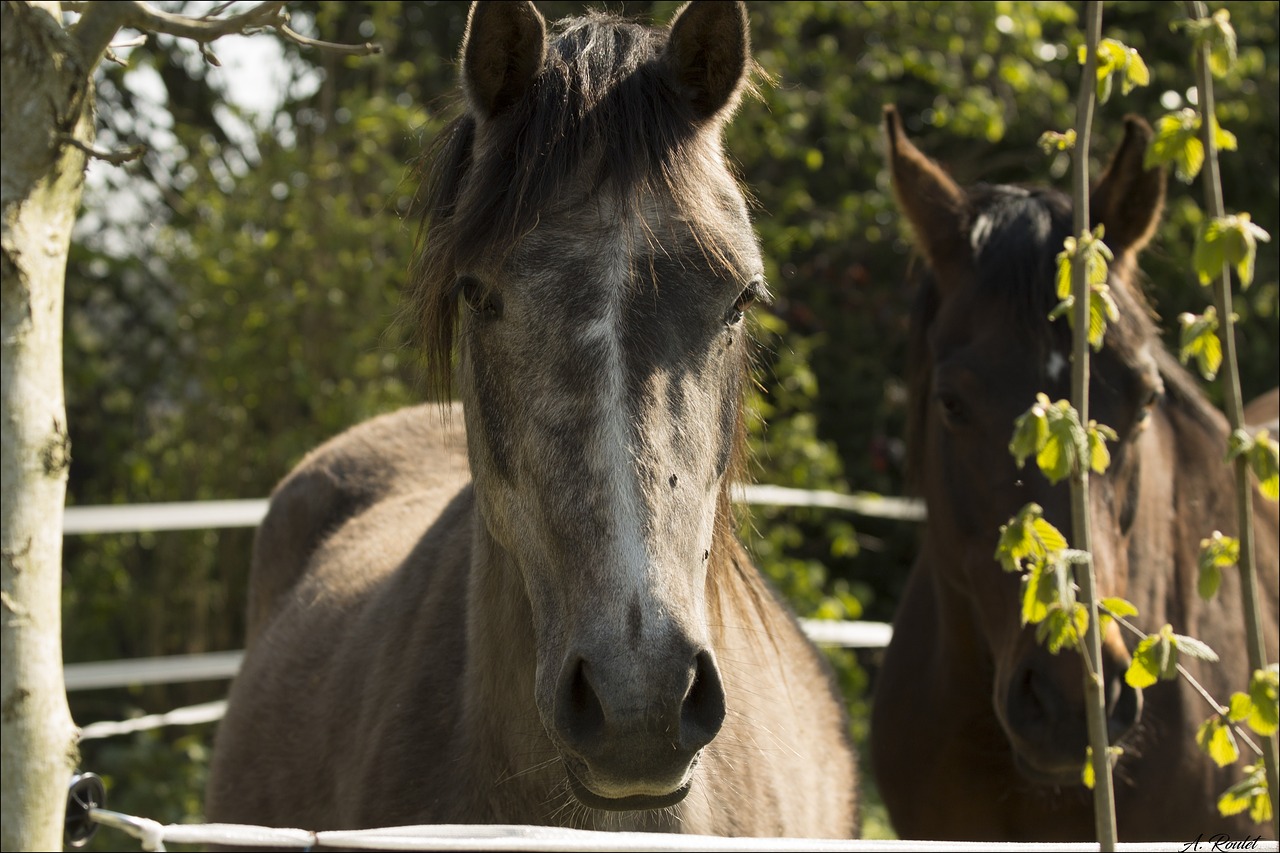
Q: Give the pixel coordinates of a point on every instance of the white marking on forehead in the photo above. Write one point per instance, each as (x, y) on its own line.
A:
(612, 453)
(1055, 365)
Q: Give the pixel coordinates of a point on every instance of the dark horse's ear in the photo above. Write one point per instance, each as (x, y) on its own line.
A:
(1129, 199)
(708, 54)
(502, 52)
(934, 204)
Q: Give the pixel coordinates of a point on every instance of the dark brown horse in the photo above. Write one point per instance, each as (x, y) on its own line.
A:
(978, 732)
(574, 637)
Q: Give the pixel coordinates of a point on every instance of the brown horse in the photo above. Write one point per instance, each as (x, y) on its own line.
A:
(977, 731)
(575, 637)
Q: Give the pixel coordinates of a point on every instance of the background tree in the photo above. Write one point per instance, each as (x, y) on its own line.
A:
(232, 294)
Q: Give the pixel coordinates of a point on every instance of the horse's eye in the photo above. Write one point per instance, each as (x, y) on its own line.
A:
(483, 304)
(951, 409)
(745, 300)
(1153, 399)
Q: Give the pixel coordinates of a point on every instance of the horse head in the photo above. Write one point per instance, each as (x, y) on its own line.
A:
(591, 257)
(983, 347)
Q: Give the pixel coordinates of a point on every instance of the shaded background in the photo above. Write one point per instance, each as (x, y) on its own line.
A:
(232, 296)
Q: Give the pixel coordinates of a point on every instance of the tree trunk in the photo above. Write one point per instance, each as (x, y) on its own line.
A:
(46, 100)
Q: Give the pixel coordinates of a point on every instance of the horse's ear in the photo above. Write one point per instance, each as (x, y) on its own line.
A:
(934, 204)
(502, 52)
(1129, 199)
(709, 52)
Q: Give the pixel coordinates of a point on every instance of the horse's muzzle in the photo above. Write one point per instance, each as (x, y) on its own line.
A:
(1044, 714)
(630, 746)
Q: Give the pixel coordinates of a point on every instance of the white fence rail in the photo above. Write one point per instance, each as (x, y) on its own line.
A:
(200, 515)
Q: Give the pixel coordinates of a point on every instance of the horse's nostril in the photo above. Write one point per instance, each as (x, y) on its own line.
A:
(582, 715)
(703, 710)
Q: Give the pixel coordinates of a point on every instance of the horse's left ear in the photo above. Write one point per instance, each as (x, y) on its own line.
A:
(1129, 199)
(708, 53)
(502, 52)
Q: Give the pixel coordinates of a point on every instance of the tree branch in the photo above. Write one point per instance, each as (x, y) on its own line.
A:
(99, 23)
(115, 158)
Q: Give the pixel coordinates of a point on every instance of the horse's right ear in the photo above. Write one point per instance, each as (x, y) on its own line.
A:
(502, 52)
(1129, 198)
(933, 203)
(709, 52)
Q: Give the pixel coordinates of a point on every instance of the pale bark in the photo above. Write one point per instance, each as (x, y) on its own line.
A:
(46, 100)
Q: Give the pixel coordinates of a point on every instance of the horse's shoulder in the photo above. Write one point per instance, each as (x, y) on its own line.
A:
(1264, 411)
(419, 448)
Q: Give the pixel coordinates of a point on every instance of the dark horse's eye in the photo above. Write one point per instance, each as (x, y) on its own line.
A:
(951, 408)
(483, 304)
(745, 300)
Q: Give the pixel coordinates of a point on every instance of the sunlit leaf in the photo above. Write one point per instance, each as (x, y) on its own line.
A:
(1249, 793)
(1264, 693)
(1154, 659)
(1099, 456)
(1216, 738)
(1176, 142)
(1051, 141)
(1030, 431)
(1039, 591)
(1217, 552)
(1227, 240)
(1200, 341)
(1264, 461)
(1239, 707)
(1087, 775)
(1194, 648)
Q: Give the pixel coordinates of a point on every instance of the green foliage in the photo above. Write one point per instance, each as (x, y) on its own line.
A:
(1094, 254)
(1200, 341)
(1218, 741)
(1051, 141)
(1264, 700)
(1052, 431)
(1249, 793)
(1215, 32)
(1177, 142)
(1262, 454)
(1218, 552)
(1156, 657)
(1087, 774)
(1228, 240)
(1116, 59)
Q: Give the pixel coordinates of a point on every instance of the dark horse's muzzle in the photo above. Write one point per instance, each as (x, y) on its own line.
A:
(1044, 710)
(630, 741)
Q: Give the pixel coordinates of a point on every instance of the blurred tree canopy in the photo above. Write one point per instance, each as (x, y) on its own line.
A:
(232, 296)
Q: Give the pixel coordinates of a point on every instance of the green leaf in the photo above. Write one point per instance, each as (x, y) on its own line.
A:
(1200, 341)
(1154, 659)
(1118, 607)
(1087, 773)
(1176, 142)
(1217, 552)
(1116, 59)
(1249, 793)
(1098, 435)
(1227, 240)
(1051, 141)
(1264, 694)
(1264, 461)
(1039, 591)
(1240, 707)
(1238, 443)
(1030, 431)
(1192, 647)
(1063, 628)
(1050, 538)
(1216, 738)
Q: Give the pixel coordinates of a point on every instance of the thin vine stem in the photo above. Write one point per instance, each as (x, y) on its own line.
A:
(1104, 808)
(1254, 642)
